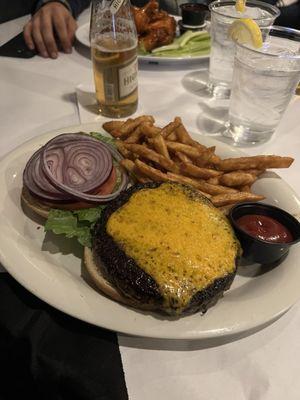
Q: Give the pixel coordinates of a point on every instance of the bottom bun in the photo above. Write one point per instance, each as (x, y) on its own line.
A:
(34, 204)
(97, 277)
(106, 287)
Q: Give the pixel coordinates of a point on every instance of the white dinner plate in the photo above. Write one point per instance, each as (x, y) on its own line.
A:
(50, 267)
(82, 35)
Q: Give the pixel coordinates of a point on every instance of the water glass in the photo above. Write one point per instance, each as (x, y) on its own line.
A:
(223, 14)
(264, 81)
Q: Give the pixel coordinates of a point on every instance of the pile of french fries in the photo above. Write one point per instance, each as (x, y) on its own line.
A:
(171, 154)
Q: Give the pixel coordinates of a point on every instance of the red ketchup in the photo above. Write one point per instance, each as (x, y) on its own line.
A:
(264, 228)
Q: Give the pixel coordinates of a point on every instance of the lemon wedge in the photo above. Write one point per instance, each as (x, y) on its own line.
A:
(246, 31)
(240, 5)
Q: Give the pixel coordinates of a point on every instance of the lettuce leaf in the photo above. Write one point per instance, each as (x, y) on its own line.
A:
(72, 224)
(89, 214)
(103, 138)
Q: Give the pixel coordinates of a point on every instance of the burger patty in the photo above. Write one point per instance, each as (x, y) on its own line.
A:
(131, 280)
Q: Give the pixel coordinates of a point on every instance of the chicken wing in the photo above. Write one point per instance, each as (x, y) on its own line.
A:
(154, 27)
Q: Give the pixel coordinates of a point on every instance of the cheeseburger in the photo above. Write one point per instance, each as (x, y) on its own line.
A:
(163, 247)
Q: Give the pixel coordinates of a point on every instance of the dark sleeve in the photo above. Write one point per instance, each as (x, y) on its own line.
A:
(289, 16)
(78, 6)
(47, 355)
(75, 6)
(14, 9)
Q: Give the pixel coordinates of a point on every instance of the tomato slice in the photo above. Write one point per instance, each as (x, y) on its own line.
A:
(108, 186)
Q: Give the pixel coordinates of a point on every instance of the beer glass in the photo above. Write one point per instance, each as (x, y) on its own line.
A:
(114, 55)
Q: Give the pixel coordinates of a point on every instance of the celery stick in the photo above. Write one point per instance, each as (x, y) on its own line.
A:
(172, 46)
(182, 41)
(191, 48)
(189, 35)
(188, 44)
(182, 52)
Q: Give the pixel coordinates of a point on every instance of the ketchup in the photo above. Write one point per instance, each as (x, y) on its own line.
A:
(264, 228)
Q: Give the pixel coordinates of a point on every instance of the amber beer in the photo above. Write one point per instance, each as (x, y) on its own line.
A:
(115, 74)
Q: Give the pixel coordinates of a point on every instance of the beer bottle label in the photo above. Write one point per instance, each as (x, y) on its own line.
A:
(128, 79)
(120, 82)
(116, 5)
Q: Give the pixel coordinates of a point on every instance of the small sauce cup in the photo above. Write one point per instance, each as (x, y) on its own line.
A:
(258, 250)
(193, 16)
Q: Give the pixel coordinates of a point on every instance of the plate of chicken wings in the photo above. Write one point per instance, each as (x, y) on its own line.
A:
(156, 30)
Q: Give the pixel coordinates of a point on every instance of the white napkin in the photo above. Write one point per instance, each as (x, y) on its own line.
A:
(87, 103)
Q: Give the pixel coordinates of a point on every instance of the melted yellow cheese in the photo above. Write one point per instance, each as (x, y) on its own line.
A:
(179, 239)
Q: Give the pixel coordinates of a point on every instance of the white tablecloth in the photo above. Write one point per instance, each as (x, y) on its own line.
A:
(38, 95)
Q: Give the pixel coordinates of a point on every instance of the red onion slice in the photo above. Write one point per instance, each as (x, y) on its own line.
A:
(69, 164)
(97, 199)
(36, 182)
(76, 161)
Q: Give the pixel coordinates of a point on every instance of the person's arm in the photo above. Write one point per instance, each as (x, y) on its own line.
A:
(53, 25)
(77, 6)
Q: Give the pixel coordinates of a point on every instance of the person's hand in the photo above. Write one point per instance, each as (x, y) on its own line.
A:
(52, 25)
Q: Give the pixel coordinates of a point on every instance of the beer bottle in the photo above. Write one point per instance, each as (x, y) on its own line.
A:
(114, 55)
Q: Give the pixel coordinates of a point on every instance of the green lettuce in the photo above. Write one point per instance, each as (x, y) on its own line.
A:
(74, 224)
(103, 138)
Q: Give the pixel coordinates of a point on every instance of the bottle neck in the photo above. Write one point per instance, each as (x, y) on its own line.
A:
(114, 26)
(116, 5)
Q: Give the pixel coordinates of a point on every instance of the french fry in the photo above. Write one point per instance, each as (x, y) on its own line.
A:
(240, 178)
(121, 148)
(225, 199)
(170, 127)
(159, 145)
(123, 130)
(255, 162)
(226, 209)
(134, 136)
(177, 161)
(183, 157)
(130, 125)
(154, 174)
(255, 172)
(172, 137)
(207, 157)
(130, 166)
(110, 126)
(190, 151)
(202, 185)
(214, 181)
(186, 161)
(151, 155)
(245, 188)
(215, 189)
(149, 130)
(184, 137)
(197, 172)
(187, 181)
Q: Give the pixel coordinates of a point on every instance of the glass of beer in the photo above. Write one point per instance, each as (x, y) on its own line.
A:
(114, 55)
